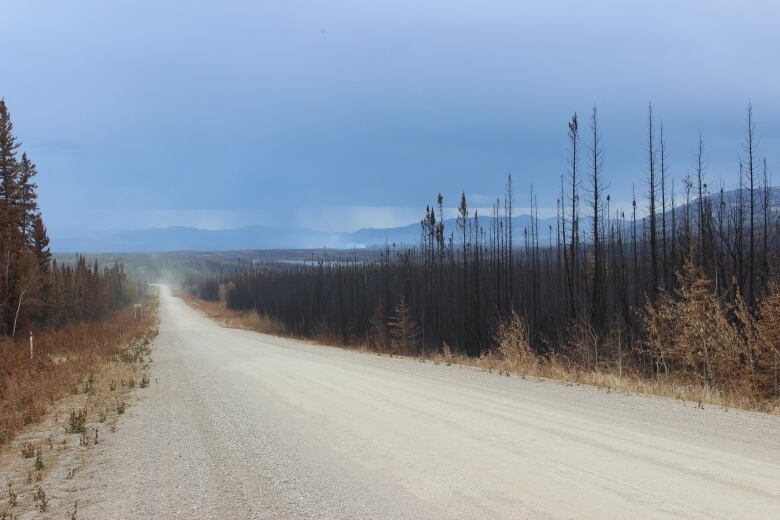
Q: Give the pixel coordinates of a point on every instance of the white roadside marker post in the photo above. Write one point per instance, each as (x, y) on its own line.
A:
(31, 345)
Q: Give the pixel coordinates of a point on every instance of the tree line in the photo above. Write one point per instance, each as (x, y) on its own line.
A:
(36, 291)
(681, 284)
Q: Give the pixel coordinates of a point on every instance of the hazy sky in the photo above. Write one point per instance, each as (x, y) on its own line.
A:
(344, 114)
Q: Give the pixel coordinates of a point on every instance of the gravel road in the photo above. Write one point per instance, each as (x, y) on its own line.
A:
(242, 425)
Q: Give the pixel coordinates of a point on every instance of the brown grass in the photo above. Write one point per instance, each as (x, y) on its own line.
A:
(76, 399)
(64, 362)
(248, 320)
(605, 379)
(513, 356)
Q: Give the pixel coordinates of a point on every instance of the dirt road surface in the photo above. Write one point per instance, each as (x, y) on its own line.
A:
(242, 425)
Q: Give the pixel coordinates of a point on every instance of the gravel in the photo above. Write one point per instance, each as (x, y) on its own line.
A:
(237, 424)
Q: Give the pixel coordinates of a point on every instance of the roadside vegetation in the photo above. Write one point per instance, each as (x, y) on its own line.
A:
(683, 302)
(58, 322)
(72, 346)
(37, 293)
(67, 403)
(64, 363)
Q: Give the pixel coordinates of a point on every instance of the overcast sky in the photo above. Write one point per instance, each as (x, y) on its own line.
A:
(344, 114)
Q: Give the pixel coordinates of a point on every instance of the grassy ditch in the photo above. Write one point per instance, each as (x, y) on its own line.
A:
(57, 407)
(65, 362)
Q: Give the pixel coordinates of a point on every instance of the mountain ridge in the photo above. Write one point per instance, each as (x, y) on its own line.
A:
(186, 238)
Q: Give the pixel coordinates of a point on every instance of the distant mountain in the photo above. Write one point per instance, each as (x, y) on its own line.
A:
(267, 237)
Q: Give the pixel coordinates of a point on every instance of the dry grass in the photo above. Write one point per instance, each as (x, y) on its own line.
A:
(663, 386)
(63, 363)
(512, 357)
(75, 399)
(248, 320)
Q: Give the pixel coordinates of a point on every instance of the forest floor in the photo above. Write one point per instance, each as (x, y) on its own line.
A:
(608, 380)
(239, 424)
(39, 465)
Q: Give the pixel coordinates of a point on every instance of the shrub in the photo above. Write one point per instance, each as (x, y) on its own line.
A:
(77, 422)
(28, 450)
(38, 460)
(12, 497)
(89, 386)
(511, 339)
(39, 500)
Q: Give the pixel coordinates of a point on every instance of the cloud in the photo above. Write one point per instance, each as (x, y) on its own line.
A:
(351, 218)
(353, 114)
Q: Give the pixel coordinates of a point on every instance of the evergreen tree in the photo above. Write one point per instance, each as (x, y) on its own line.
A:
(34, 291)
(404, 329)
(28, 197)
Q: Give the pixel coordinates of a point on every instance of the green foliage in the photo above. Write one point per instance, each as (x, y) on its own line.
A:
(38, 460)
(77, 422)
(36, 292)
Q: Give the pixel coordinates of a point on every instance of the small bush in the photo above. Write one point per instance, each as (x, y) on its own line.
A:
(144, 381)
(38, 460)
(39, 500)
(77, 422)
(89, 385)
(120, 407)
(511, 339)
(28, 450)
(12, 497)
